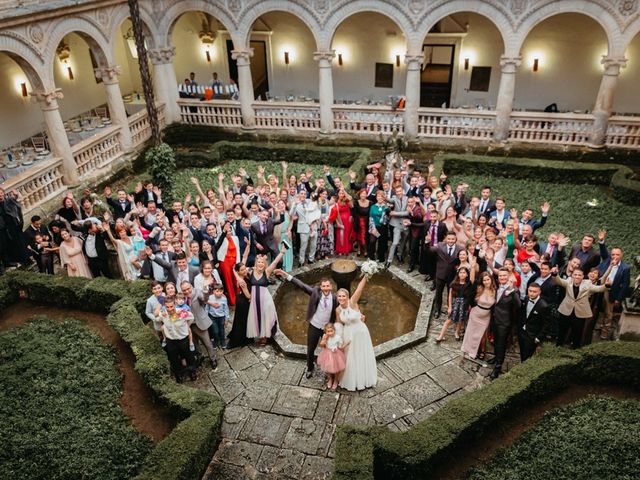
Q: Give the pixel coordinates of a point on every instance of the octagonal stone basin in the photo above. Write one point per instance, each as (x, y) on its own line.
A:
(397, 308)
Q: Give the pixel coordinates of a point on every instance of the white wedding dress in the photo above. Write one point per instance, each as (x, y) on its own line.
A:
(361, 371)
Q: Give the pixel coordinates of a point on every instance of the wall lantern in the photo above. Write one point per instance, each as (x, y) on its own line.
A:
(70, 73)
(466, 63)
(131, 42)
(64, 52)
(286, 58)
(535, 64)
(207, 39)
(397, 60)
(23, 89)
(340, 59)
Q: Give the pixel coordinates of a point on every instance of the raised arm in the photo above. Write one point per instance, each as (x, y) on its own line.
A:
(358, 293)
(269, 270)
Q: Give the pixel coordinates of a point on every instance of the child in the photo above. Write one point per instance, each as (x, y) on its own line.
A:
(181, 305)
(459, 300)
(42, 252)
(218, 310)
(332, 359)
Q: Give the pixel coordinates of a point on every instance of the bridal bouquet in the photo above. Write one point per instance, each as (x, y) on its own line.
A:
(370, 268)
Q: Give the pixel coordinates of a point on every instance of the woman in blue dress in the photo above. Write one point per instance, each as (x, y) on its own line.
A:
(282, 233)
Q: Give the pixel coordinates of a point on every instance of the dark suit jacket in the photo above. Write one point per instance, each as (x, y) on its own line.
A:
(557, 256)
(445, 266)
(491, 206)
(548, 289)
(147, 270)
(593, 259)
(30, 234)
(143, 197)
(619, 288)
(534, 324)
(267, 240)
(316, 294)
(507, 309)
(101, 246)
(441, 229)
(118, 211)
(359, 186)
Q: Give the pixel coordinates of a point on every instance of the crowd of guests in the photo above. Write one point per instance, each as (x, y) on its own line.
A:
(220, 246)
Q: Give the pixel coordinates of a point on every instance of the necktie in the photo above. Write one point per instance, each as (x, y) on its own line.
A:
(264, 228)
(450, 251)
(164, 256)
(324, 301)
(434, 234)
(483, 205)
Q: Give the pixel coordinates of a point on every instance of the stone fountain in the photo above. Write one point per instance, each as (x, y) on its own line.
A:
(344, 272)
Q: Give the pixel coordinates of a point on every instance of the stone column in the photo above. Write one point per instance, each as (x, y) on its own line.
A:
(325, 89)
(506, 92)
(109, 76)
(604, 100)
(245, 85)
(57, 136)
(165, 82)
(412, 93)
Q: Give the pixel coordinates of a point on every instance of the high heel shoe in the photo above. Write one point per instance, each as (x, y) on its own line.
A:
(438, 340)
(458, 338)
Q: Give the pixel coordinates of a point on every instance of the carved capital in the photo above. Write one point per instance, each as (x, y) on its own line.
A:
(326, 56)
(612, 65)
(414, 60)
(108, 74)
(47, 99)
(243, 57)
(162, 55)
(510, 64)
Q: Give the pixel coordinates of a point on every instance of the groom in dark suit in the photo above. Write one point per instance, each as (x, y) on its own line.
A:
(505, 315)
(263, 233)
(320, 311)
(533, 317)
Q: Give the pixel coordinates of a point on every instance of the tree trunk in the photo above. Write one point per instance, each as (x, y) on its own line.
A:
(147, 86)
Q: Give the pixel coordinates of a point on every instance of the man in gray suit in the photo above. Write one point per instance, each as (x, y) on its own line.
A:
(397, 215)
(178, 271)
(299, 214)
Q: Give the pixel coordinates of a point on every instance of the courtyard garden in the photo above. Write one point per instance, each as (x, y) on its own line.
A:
(65, 412)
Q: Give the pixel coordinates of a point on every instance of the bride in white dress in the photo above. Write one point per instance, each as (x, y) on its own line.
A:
(361, 371)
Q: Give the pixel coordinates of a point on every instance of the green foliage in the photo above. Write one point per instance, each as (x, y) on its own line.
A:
(59, 412)
(208, 177)
(414, 453)
(162, 164)
(563, 443)
(569, 213)
(194, 440)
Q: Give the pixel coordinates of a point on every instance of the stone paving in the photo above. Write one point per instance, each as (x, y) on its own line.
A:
(280, 425)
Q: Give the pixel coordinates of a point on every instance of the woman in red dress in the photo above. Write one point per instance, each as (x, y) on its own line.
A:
(228, 256)
(344, 223)
(361, 212)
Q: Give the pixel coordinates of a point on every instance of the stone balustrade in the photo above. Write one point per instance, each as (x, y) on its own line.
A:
(550, 128)
(287, 115)
(140, 127)
(216, 113)
(456, 123)
(98, 151)
(623, 132)
(38, 184)
(367, 119)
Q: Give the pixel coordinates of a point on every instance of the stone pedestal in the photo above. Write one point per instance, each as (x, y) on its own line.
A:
(506, 91)
(412, 93)
(604, 101)
(109, 76)
(245, 85)
(164, 81)
(57, 136)
(629, 324)
(325, 89)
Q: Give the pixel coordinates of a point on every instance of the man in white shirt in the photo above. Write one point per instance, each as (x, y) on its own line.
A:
(299, 214)
(175, 327)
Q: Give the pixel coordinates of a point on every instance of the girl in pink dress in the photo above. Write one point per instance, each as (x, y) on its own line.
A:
(332, 359)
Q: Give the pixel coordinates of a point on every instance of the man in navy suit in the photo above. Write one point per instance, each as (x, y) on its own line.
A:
(120, 207)
(613, 271)
(486, 204)
(527, 217)
(369, 185)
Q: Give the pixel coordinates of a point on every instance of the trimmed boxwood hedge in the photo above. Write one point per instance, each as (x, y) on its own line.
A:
(610, 425)
(365, 453)
(615, 176)
(186, 452)
(219, 153)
